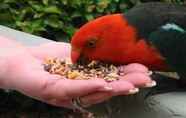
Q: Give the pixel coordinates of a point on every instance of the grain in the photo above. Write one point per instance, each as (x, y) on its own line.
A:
(94, 69)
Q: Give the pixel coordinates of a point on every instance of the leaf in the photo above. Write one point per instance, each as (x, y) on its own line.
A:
(5, 17)
(76, 14)
(53, 21)
(91, 8)
(66, 16)
(103, 4)
(4, 6)
(37, 7)
(65, 2)
(45, 2)
(37, 24)
(116, 0)
(38, 15)
(10, 1)
(52, 9)
(70, 30)
(89, 17)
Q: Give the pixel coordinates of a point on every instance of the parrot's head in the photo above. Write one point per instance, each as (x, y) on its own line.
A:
(110, 39)
(101, 38)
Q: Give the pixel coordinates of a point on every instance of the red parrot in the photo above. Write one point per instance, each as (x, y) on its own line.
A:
(152, 34)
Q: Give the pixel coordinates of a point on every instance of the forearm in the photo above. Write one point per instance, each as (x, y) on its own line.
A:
(4, 54)
(6, 42)
(8, 48)
(8, 59)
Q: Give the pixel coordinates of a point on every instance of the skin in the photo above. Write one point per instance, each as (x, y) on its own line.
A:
(22, 71)
(111, 39)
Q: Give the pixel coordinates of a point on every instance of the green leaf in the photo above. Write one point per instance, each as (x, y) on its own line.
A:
(64, 16)
(37, 25)
(53, 21)
(5, 17)
(103, 4)
(116, 0)
(65, 2)
(45, 2)
(4, 6)
(76, 14)
(91, 8)
(52, 9)
(89, 17)
(70, 30)
(10, 1)
(39, 15)
(37, 7)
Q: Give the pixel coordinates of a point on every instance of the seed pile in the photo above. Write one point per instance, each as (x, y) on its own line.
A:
(94, 69)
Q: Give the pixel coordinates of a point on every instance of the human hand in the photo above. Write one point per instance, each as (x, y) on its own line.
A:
(22, 70)
(25, 73)
(136, 75)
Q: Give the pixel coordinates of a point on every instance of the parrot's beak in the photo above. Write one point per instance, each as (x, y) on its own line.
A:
(75, 55)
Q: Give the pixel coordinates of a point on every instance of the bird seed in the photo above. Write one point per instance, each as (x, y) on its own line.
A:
(94, 69)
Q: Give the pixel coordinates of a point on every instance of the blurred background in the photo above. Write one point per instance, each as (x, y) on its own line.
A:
(59, 19)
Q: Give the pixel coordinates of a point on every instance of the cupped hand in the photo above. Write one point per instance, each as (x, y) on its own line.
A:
(135, 76)
(25, 73)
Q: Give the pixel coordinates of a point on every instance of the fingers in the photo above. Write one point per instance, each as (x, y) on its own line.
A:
(74, 89)
(118, 88)
(84, 87)
(55, 90)
(68, 89)
(138, 75)
(122, 88)
(98, 97)
(138, 79)
(134, 67)
(93, 91)
(48, 87)
(128, 84)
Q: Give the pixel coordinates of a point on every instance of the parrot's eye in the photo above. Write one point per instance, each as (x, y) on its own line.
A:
(91, 43)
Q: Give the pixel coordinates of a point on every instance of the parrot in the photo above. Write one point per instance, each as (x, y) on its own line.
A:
(152, 34)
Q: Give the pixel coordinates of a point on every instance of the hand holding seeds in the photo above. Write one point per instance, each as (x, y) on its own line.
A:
(25, 73)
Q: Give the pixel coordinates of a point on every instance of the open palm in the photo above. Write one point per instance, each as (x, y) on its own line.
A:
(137, 76)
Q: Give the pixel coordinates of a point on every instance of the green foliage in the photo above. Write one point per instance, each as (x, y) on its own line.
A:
(57, 18)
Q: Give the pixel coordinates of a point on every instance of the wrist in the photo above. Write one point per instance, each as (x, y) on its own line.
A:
(7, 55)
(8, 42)
(10, 57)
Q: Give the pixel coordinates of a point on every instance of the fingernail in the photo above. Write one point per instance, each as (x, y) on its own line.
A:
(151, 84)
(108, 88)
(133, 91)
(150, 73)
